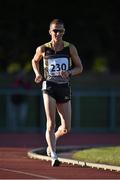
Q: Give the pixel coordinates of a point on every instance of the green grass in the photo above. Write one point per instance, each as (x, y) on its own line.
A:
(104, 155)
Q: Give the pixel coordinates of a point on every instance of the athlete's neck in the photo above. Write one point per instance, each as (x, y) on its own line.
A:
(57, 45)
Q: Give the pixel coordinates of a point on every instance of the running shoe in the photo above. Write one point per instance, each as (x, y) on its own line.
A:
(55, 161)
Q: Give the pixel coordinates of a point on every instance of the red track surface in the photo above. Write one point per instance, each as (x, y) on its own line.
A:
(15, 164)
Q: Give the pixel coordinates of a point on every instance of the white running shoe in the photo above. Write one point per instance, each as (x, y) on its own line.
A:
(54, 160)
(48, 152)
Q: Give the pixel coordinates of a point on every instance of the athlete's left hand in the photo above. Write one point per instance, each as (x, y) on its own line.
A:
(64, 74)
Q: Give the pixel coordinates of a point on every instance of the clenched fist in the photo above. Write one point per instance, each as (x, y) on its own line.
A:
(38, 78)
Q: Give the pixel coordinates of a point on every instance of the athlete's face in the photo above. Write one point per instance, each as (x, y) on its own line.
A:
(56, 31)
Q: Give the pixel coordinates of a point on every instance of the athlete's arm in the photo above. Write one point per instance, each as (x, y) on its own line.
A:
(35, 64)
(78, 67)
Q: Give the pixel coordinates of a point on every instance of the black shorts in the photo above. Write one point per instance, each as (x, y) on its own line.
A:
(60, 92)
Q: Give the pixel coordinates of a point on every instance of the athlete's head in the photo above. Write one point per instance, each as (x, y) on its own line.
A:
(57, 29)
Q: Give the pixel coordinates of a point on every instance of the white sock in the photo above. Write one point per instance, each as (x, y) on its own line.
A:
(53, 154)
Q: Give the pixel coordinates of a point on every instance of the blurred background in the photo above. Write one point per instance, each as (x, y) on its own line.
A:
(94, 28)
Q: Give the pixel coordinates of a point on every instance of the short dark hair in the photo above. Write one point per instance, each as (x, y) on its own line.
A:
(57, 21)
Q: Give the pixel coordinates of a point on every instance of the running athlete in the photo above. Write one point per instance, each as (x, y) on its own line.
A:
(60, 62)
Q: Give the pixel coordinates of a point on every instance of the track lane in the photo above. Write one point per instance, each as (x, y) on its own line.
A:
(15, 164)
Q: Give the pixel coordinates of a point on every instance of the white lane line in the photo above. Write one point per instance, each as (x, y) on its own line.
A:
(26, 173)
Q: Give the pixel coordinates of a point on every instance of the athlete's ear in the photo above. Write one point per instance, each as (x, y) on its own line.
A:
(64, 32)
(49, 32)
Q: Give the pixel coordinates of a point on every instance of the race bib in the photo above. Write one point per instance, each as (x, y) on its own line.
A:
(56, 65)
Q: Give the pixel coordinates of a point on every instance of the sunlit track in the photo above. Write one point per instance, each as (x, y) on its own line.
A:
(14, 157)
(25, 173)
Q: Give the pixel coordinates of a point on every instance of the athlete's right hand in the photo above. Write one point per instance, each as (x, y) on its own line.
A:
(38, 78)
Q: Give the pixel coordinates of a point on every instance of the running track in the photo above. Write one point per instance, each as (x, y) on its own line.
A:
(15, 164)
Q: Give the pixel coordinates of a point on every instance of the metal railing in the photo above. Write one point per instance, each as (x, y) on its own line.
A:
(112, 107)
(92, 110)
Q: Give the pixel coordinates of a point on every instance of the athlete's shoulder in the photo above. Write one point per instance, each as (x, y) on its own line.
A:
(43, 46)
(47, 44)
(40, 49)
(66, 44)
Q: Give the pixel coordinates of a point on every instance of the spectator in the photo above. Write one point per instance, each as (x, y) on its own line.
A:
(18, 106)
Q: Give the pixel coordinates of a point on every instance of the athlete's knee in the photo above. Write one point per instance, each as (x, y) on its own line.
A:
(63, 130)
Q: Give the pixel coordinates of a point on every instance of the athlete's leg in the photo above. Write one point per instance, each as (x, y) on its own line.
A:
(64, 110)
(50, 110)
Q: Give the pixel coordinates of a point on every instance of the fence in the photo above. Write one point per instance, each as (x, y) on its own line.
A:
(91, 111)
